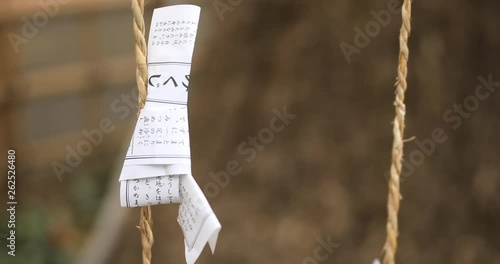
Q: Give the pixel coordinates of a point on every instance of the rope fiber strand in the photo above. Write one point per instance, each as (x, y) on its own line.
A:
(146, 222)
(394, 197)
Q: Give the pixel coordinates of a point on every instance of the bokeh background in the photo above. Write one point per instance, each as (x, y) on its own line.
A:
(321, 178)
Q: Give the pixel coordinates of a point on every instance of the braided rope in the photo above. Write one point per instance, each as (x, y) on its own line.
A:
(146, 222)
(394, 197)
(147, 240)
(141, 50)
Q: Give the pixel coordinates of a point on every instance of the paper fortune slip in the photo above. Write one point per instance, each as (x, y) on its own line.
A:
(157, 167)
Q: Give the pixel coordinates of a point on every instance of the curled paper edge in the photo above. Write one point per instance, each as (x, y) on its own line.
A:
(126, 191)
(209, 230)
(213, 224)
(132, 172)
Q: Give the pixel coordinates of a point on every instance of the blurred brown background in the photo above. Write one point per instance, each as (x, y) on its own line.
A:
(322, 177)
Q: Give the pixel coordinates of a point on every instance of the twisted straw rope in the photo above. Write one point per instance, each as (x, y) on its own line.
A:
(391, 242)
(141, 50)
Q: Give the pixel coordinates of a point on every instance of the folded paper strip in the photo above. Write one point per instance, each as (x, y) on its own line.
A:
(157, 167)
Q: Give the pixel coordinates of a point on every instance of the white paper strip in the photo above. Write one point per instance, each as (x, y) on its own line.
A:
(130, 172)
(150, 191)
(197, 220)
(173, 34)
(168, 83)
(157, 167)
(161, 136)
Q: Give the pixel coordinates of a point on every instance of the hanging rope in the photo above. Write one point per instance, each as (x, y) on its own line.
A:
(391, 243)
(141, 50)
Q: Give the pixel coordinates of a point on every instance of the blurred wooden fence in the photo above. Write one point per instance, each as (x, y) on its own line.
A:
(63, 80)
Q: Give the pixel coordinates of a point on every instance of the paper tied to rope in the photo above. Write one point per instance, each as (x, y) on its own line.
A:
(157, 167)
